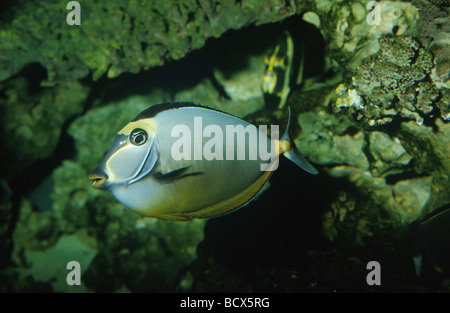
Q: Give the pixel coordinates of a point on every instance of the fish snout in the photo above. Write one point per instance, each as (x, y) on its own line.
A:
(99, 178)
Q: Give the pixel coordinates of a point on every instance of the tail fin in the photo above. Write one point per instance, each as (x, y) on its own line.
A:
(293, 154)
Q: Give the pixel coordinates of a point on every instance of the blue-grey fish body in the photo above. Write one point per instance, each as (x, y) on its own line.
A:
(157, 170)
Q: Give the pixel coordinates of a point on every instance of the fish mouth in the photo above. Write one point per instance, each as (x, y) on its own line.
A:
(99, 178)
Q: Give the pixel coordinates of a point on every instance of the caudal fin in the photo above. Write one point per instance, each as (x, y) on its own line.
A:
(293, 154)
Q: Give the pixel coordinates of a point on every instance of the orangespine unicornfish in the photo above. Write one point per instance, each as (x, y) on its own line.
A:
(179, 161)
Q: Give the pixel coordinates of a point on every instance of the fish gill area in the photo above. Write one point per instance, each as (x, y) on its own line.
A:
(374, 122)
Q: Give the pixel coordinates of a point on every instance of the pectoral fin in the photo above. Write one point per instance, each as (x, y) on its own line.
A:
(175, 175)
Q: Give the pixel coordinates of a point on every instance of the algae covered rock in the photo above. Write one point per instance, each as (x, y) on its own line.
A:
(324, 141)
(393, 83)
(41, 254)
(385, 149)
(388, 153)
(395, 88)
(50, 265)
(120, 36)
(369, 161)
(206, 93)
(32, 120)
(352, 28)
(434, 28)
(35, 230)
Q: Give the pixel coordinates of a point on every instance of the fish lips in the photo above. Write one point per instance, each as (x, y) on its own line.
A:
(98, 175)
(100, 179)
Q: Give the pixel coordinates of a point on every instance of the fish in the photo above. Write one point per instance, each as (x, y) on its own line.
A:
(182, 160)
(283, 66)
(297, 60)
(431, 236)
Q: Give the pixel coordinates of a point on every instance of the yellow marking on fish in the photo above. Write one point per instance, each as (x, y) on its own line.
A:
(279, 62)
(290, 55)
(270, 77)
(287, 146)
(269, 83)
(111, 176)
(272, 60)
(276, 62)
(281, 94)
(282, 146)
(148, 124)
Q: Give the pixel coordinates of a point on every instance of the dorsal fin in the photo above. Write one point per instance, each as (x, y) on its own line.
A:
(158, 108)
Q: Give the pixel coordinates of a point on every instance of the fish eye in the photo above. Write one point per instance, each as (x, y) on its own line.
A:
(138, 137)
